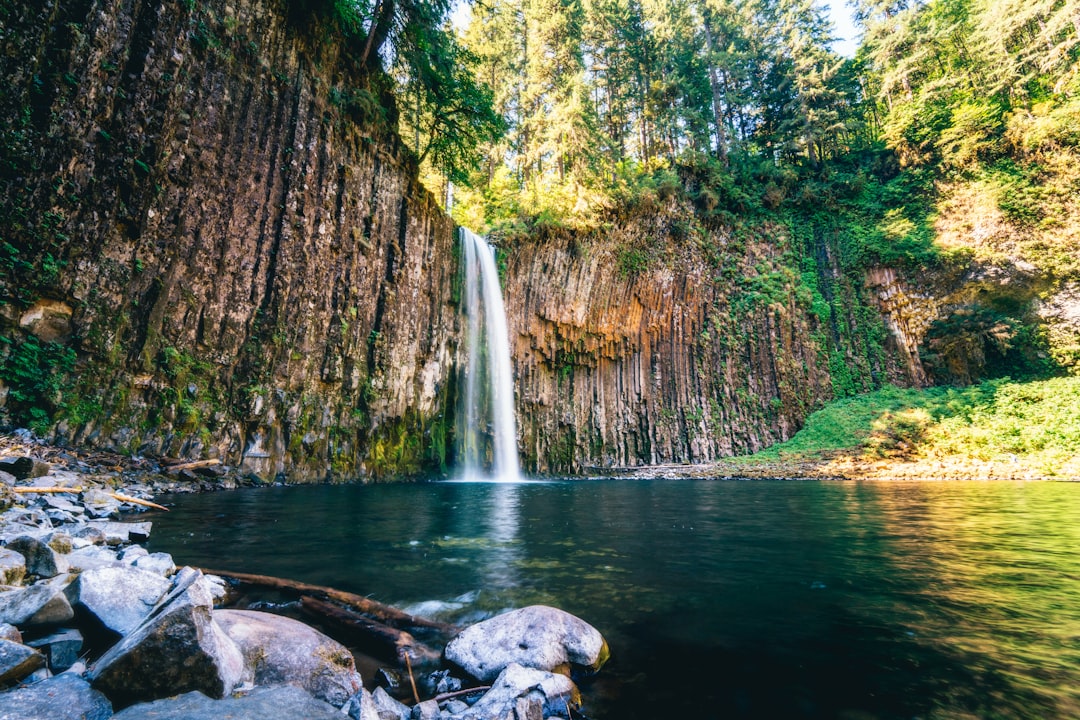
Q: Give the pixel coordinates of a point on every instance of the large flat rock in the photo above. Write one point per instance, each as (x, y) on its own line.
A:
(119, 597)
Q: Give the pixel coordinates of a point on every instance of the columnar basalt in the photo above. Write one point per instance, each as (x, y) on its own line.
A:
(692, 357)
(201, 202)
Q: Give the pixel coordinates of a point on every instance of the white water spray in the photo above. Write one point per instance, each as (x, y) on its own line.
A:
(486, 338)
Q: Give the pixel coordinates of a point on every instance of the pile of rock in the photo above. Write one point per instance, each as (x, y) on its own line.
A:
(91, 624)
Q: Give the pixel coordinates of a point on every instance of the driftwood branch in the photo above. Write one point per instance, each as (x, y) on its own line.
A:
(382, 612)
(381, 639)
(137, 501)
(460, 693)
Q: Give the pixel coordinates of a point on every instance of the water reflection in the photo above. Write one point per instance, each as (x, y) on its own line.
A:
(719, 599)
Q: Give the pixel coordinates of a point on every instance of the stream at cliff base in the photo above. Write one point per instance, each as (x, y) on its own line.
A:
(719, 599)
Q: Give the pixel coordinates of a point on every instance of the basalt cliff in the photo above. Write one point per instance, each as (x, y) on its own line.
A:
(215, 247)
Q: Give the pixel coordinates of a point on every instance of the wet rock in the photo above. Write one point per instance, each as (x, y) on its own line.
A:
(17, 661)
(10, 632)
(119, 597)
(41, 560)
(455, 707)
(92, 556)
(387, 708)
(361, 706)
(12, 567)
(63, 478)
(7, 497)
(427, 710)
(61, 648)
(261, 704)
(132, 553)
(282, 651)
(23, 468)
(90, 533)
(49, 320)
(177, 649)
(537, 636)
(440, 682)
(59, 502)
(64, 697)
(100, 504)
(43, 603)
(525, 693)
(159, 563)
(118, 533)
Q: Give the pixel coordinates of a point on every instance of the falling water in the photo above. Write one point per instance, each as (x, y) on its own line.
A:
(486, 339)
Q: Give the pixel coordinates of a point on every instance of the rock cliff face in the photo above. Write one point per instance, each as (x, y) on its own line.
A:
(215, 247)
(629, 353)
(196, 202)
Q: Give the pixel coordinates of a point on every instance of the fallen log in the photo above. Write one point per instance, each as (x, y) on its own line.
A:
(193, 465)
(385, 641)
(385, 613)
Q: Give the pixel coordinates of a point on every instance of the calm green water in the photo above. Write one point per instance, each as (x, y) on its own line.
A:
(719, 599)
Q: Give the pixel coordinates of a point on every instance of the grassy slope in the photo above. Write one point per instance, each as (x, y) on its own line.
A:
(998, 429)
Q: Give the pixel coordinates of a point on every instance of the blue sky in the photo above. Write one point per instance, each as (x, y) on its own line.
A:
(843, 28)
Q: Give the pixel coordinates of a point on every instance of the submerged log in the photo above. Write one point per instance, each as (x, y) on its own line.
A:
(385, 613)
(380, 639)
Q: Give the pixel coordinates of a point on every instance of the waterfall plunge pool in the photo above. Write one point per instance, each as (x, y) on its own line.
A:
(719, 599)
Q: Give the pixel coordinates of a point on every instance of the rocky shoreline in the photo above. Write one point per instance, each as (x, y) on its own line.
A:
(93, 626)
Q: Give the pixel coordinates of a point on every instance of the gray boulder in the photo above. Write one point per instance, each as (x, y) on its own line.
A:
(43, 603)
(387, 708)
(91, 556)
(282, 651)
(427, 710)
(287, 703)
(178, 648)
(118, 596)
(159, 563)
(64, 697)
(10, 632)
(17, 661)
(119, 533)
(526, 693)
(132, 553)
(61, 648)
(23, 467)
(100, 504)
(90, 533)
(12, 567)
(361, 706)
(537, 636)
(41, 559)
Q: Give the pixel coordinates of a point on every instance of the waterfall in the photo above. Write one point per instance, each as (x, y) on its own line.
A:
(487, 407)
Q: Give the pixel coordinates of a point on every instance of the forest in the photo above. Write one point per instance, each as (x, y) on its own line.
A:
(559, 111)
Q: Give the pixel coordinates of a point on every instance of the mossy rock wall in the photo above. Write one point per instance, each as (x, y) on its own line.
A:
(237, 258)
